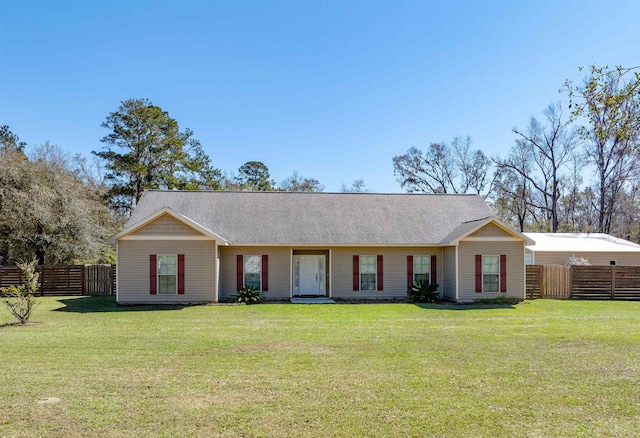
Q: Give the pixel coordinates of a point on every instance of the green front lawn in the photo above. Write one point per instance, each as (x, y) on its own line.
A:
(542, 368)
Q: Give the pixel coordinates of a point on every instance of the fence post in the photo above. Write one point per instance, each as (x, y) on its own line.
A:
(543, 285)
(83, 279)
(571, 271)
(613, 282)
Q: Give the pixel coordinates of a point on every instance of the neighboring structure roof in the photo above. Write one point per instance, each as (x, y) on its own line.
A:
(579, 243)
(255, 218)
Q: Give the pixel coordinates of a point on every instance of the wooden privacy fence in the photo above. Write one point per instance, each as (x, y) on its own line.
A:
(99, 280)
(607, 282)
(584, 282)
(67, 279)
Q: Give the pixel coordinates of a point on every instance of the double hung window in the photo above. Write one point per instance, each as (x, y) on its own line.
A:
(252, 268)
(368, 272)
(167, 274)
(421, 268)
(490, 273)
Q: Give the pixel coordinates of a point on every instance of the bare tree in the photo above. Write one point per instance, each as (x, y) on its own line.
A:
(512, 190)
(473, 166)
(296, 183)
(626, 222)
(357, 186)
(574, 206)
(550, 149)
(443, 168)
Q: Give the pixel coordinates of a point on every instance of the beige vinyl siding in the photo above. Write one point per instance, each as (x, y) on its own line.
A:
(133, 270)
(279, 270)
(166, 225)
(489, 230)
(515, 267)
(394, 271)
(595, 258)
(448, 284)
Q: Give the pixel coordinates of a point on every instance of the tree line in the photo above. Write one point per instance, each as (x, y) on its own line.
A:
(573, 172)
(60, 208)
(577, 171)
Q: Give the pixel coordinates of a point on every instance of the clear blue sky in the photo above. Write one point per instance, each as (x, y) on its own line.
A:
(333, 89)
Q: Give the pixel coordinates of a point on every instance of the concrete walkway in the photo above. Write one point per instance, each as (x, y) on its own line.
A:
(319, 300)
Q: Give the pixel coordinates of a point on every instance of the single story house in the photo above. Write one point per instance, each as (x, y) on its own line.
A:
(597, 248)
(203, 246)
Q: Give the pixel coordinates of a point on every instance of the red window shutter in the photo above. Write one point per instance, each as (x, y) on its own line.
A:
(434, 270)
(239, 274)
(409, 270)
(503, 273)
(180, 274)
(380, 273)
(478, 273)
(153, 270)
(265, 273)
(356, 273)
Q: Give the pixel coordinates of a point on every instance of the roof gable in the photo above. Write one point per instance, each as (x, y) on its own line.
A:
(483, 229)
(166, 224)
(145, 227)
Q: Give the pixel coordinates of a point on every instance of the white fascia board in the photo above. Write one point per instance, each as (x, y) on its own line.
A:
(340, 245)
(164, 237)
(491, 239)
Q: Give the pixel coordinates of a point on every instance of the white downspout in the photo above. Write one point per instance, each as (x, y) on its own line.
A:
(330, 268)
(291, 273)
(524, 255)
(216, 257)
(116, 273)
(457, 280)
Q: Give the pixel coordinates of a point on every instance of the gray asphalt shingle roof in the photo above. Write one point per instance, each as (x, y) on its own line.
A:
(319, 218)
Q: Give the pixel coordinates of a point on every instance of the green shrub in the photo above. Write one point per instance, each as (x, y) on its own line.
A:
(500, 300)
(423, 292)
(249, 295)
(20, 299)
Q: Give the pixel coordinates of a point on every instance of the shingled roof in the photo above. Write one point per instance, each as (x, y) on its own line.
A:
(318, 218)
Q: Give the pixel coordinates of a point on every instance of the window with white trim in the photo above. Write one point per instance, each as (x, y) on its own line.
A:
(252, 269)
(368, 272)
(490, 273)
(421, 268)
(167, 274)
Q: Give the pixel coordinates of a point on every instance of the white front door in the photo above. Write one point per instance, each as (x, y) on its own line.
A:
(308, 275)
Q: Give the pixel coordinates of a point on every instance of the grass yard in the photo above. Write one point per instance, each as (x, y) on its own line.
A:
(539, 369)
